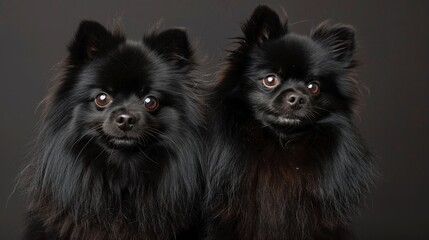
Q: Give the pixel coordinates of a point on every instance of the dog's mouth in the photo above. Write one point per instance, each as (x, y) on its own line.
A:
(290, 121)
(119, 142)
(285, 121)
(288, 126)
(122, 142)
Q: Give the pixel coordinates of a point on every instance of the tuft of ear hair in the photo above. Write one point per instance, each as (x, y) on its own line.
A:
(339, 39)
(92, 40)
(172, 44)
(264, 25)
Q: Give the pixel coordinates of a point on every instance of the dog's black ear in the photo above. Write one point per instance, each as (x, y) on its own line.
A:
(90, 41)
(263, 25)
(172, 44)
(339, 39)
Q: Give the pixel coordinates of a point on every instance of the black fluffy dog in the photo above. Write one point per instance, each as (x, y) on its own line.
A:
(287, 161)
(117, 156)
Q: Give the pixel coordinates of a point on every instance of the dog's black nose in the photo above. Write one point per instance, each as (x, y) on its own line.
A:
(125, 121)
(295, 100)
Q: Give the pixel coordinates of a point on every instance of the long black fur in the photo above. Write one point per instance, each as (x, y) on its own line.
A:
(280, 182)
(79, 186)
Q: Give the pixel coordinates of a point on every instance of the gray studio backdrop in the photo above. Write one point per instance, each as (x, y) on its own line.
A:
(394, 49)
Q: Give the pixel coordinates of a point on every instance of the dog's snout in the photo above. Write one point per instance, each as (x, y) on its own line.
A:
(126, 121)
(295, 100)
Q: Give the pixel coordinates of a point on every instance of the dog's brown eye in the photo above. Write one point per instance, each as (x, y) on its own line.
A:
(270, 81)
(314, 88)
(102, 100)
(151, 103)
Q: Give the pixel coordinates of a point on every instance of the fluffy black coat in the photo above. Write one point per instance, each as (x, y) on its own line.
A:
(118, 150)
(286, 159)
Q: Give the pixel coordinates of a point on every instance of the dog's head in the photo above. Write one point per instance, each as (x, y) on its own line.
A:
(293, 81)
(126, 94)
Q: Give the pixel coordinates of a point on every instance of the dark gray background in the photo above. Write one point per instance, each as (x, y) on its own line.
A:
(393, 37)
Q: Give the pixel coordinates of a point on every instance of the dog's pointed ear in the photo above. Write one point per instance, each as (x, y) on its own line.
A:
(263, 25)
(90, 41)
(171, 44)
(339, 39)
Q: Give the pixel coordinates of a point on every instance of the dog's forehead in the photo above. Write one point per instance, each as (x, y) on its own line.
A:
(128, 68)
(290, 56)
